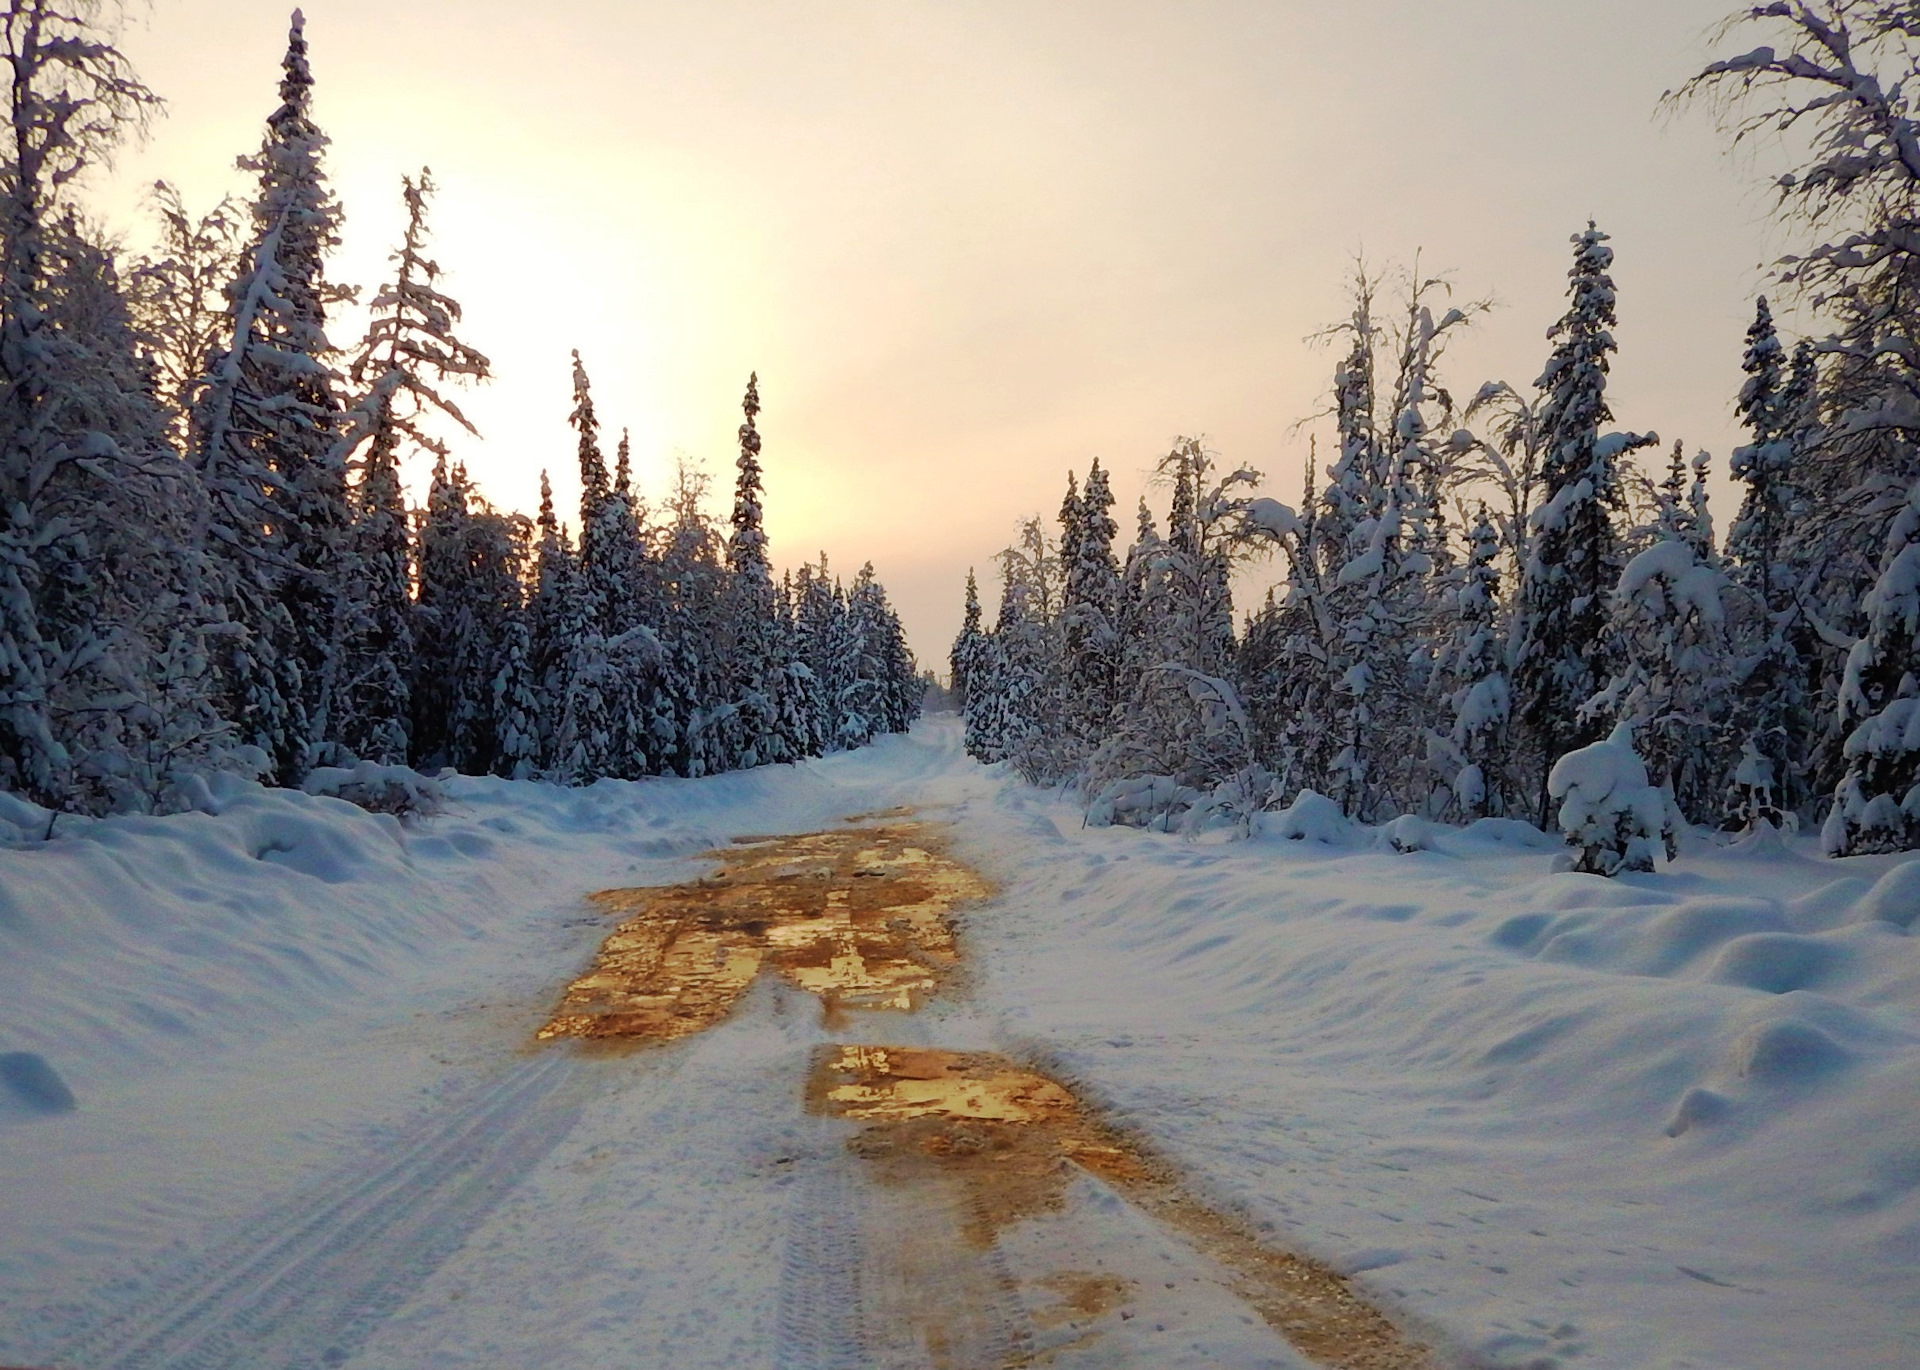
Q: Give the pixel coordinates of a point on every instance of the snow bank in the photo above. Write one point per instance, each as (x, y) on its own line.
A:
(1574, 1120)
(132, 943)
(1651, 1121)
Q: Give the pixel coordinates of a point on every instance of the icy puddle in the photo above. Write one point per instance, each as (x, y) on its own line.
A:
(859, 917)
(973, 1150)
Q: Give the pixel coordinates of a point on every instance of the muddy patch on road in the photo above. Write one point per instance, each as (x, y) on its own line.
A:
(998, 1144)
(860, 917)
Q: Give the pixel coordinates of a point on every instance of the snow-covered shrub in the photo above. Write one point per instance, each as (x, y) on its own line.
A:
(1408, 833)
(377, 788)
(1675, 671)
(1876, 807)
(1612, 817)
(1313, 818)
(1141, 801)
(1235, 804)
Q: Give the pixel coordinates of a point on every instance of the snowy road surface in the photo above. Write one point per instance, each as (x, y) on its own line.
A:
(1668, 1121)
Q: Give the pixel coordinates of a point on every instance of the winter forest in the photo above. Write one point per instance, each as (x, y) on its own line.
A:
(1507, 608)
(208, 564)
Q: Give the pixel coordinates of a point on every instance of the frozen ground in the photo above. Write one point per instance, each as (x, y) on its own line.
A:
(1670, 1120)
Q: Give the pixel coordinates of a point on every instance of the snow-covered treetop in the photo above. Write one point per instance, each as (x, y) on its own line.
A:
(1667, 576)
(296, 85)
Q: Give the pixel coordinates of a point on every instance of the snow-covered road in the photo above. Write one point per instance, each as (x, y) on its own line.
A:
(1668, 1121)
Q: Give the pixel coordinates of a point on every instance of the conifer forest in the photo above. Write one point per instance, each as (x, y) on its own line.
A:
(1506, 607)
(208, 564)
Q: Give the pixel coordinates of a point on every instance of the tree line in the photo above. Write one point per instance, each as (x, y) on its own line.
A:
(206, 558)
(1475, 594)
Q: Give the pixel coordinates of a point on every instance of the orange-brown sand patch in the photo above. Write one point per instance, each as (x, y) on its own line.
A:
(1005, 1137)
(858, 916)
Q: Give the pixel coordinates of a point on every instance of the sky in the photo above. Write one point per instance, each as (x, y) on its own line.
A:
(971, 245)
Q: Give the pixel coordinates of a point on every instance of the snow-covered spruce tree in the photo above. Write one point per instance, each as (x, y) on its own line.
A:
(608, 723)
(981, 718)
(800, 703)
(515, 703)
(755, 669)
(594, 711)
(1876, 806)
(1090, 616)
(375, 717)
(694, 582)
(855, 646)
(1472, 672)
(818, 606)
(1029, 707)
(471, 621)
(553, 623)
(1770, 720)
(1613, 818)
(881, 694)
(488, 606)
(269, 420)
(1563, 653)
(1140, 601)
(650, 728)
(966, 644)
(1010, 676)
(432, 628)
(409, 354)
(1355, 493)
(1672, 683)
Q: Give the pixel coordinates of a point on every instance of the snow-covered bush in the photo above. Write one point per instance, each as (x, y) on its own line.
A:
(376, 788)
(1313, 818)
(1876, 807)
(1674, 677)
(1613, 818)
(1140, 801)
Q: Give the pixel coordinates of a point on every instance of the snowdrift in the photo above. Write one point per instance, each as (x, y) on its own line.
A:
(1660, 1120)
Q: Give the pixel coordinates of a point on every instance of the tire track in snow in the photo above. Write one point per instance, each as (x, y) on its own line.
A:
(301, 1285)
(818, 1325)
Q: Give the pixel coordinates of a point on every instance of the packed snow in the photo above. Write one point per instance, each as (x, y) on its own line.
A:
(1660, 1120)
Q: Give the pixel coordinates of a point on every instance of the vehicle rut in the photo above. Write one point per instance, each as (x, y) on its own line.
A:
(300, 1286)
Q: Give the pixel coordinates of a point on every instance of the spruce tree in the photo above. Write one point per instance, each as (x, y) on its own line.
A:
(435, 632)
(1473, 667)
(966, 644)
(1671, 684)
(594, 710)
(757, 676)
(409, 354)
(1770, 721)
(269, 424)
(553, 624)
(1564, 652)
(1876, 806)
(800, 702)
(1090, 616)
(376, 694)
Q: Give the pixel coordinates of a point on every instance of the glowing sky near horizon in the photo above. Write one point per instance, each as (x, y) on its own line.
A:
(970, 245)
